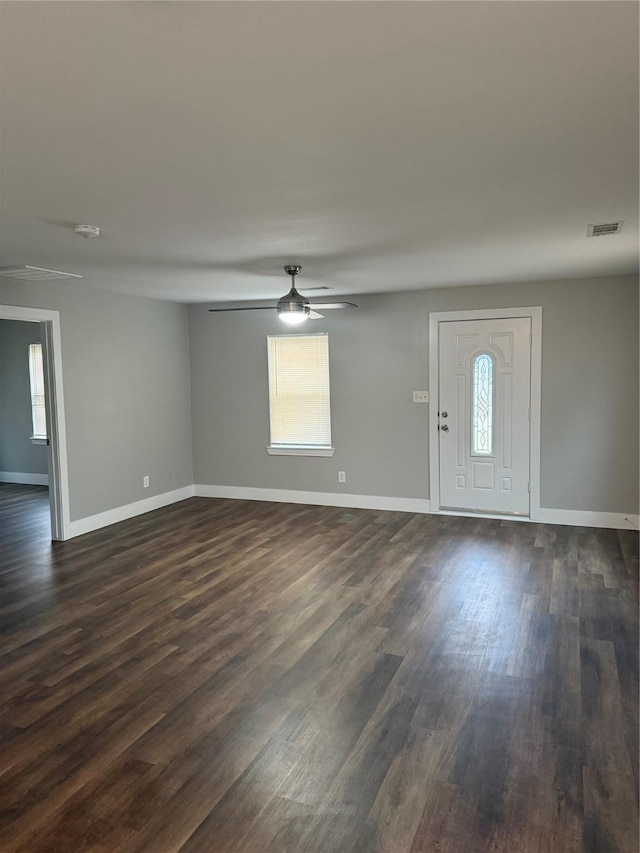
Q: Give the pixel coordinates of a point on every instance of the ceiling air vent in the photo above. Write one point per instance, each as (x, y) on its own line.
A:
(318, 287)
(604, 228)
(27, 273)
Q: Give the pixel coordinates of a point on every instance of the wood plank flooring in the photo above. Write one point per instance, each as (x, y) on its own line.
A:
(240, 677)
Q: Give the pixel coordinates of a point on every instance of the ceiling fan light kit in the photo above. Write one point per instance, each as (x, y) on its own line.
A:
(294, 308)
(292, 314)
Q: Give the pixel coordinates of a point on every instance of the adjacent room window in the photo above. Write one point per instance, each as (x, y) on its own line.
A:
(482, 405)
(36, 378)
(299, 404)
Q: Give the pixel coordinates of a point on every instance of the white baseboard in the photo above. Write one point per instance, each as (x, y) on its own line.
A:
(581, 518)
(122, 513)
(247, 493)
(575, 518)
(24, 479)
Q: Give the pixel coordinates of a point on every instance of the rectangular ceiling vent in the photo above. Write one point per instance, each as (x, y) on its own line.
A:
(27, 273)
(605, 228)
(319, 287)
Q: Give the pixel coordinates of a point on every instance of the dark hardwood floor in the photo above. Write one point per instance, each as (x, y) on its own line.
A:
(236, 677)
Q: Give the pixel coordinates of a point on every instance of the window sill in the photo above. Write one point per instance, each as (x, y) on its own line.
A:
(300, 451)
(38, 439)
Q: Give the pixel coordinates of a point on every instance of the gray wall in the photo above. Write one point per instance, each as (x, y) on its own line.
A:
(17, 453)
(129, 403)
(126, 388)
(379, 354)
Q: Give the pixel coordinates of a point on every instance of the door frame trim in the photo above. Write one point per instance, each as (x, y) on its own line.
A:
(534, 313)
(58, 467)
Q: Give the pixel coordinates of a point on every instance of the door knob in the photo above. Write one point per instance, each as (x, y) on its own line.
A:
(445, 428)
(445, 414)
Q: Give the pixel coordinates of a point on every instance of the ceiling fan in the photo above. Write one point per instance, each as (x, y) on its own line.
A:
(293, 308)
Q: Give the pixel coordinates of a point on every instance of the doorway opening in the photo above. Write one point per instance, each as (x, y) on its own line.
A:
(33, 442)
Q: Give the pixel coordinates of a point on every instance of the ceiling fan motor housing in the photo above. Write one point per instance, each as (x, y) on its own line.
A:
(294, 303)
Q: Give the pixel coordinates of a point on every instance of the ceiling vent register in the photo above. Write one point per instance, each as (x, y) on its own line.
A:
(604, 228)
(29, 273)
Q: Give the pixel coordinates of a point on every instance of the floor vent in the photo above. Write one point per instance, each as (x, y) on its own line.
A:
(604, 228)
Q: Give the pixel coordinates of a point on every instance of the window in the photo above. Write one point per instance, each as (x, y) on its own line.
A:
(36, 379)
(482, 405)
(299, 406)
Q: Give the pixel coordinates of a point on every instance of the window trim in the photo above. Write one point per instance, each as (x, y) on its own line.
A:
(299, 450)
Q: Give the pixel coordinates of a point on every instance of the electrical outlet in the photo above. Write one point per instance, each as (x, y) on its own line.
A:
(420, 396)
(145, 481)
(342, 476)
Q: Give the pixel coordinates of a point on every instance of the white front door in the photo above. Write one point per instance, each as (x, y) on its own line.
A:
(484, 415)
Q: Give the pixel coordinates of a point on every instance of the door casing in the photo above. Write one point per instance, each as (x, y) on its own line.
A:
(435, 318)
(58, 470)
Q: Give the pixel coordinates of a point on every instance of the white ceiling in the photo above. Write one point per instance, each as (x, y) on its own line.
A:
(384, 146)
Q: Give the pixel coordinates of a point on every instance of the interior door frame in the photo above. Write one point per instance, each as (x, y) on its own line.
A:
(435, 318)
(58, 468)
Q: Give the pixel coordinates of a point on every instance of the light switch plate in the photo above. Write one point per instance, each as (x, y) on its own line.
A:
(420, 396)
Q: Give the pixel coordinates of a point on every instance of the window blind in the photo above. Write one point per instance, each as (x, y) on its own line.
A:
(36, 377)
(299, 403)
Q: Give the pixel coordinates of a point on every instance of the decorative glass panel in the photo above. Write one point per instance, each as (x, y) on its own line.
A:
(482, 405)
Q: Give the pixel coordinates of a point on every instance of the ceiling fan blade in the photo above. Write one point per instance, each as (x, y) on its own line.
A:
(324, 305)
(314, 315)
(248, 308)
